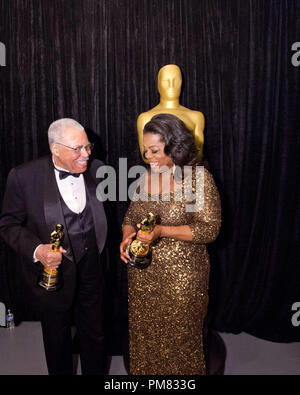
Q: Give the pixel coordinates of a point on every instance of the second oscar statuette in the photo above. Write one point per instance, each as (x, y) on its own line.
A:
(140, 253)
(51, 279)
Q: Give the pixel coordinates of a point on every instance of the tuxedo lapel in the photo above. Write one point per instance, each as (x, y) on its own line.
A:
(52, 206)
(98, 212)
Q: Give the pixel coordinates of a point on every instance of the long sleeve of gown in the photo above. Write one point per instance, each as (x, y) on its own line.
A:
(206, 216)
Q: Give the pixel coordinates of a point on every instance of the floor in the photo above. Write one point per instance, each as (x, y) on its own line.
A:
(22, 354)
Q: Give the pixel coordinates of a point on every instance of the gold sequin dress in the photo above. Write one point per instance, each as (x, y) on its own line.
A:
(168, 300)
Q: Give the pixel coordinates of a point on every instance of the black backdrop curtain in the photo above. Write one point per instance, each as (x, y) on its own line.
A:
(97, 61)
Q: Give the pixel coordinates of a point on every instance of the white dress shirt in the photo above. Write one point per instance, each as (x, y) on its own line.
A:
(72, 190)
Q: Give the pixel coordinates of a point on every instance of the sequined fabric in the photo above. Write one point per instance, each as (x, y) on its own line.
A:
(168, 300)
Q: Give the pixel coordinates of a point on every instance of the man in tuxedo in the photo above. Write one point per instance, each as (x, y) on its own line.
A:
(61, 189)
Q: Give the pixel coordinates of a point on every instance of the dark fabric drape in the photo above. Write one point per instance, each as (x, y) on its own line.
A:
(97, 61)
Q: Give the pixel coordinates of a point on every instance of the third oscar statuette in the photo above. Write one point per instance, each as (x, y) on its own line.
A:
(139, 252)
(51, 279)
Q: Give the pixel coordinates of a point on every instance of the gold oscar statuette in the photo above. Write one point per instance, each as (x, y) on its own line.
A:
(51, 279)
(140, 253)
(169, 82)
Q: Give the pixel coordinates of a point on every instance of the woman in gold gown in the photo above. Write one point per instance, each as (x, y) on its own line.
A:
(168, 300)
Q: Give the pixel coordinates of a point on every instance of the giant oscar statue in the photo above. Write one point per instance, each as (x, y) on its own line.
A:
(169, 87)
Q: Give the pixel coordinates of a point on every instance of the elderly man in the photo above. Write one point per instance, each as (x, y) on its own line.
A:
(61, 189)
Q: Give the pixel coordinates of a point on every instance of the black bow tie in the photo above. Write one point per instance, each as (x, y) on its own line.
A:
(65, 174)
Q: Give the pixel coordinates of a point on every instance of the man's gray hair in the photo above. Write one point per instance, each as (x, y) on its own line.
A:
(57, 128)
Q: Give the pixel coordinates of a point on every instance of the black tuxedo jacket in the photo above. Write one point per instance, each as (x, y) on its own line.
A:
(31, 210)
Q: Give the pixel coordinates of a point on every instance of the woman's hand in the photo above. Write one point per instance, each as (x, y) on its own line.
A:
(149, 237)
(124, 244)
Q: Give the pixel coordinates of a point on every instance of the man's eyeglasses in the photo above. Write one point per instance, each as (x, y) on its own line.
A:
(80, 148)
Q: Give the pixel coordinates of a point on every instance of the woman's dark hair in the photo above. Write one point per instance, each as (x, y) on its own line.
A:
(179, 140)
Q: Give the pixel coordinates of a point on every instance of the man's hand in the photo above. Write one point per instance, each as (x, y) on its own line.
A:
(49, 259)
